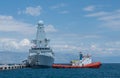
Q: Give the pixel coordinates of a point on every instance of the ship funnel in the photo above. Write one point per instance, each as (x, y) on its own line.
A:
(80, 56)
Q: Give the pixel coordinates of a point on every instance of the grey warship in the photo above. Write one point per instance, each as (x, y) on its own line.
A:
(40, 55)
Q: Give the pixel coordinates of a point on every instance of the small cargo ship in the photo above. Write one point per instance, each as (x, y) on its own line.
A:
(85, 61)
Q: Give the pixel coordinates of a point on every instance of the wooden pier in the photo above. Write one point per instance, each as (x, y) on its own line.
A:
(10, 67)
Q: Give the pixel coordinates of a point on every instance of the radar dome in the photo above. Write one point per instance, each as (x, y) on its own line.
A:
(40, 22)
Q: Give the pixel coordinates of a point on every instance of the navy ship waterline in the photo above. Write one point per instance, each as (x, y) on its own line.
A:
(40, 55)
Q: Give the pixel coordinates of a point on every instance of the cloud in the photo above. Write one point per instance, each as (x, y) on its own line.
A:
(61, 5)
(33, 11)
(8, 44)
(60, 8)
(64, 47)
(95, 49)
(74, 43)
(9, 24)
(109, 19)
(114, 25)
(91, 37)
(89, 8)
(97, 14)
(69, 41)
(25, 42)
(50, 28)
(106, 49)
(79, 36)
(6, 17)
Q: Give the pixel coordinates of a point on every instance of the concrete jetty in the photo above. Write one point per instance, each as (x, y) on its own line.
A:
(10, 67)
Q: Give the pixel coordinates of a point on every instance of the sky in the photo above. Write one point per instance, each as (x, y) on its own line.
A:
(91, 26)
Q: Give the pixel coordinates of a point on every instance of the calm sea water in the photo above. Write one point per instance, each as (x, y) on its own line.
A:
(105, 71)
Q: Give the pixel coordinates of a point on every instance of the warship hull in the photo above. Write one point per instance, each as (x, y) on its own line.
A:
(41, 61)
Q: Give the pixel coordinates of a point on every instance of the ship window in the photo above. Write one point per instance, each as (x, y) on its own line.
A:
(41, 48)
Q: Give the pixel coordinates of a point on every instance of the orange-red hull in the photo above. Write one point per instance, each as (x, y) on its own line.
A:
(91, 65)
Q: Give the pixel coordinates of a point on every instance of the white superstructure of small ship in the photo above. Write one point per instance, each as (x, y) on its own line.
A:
(83, 60)
(40, 55)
